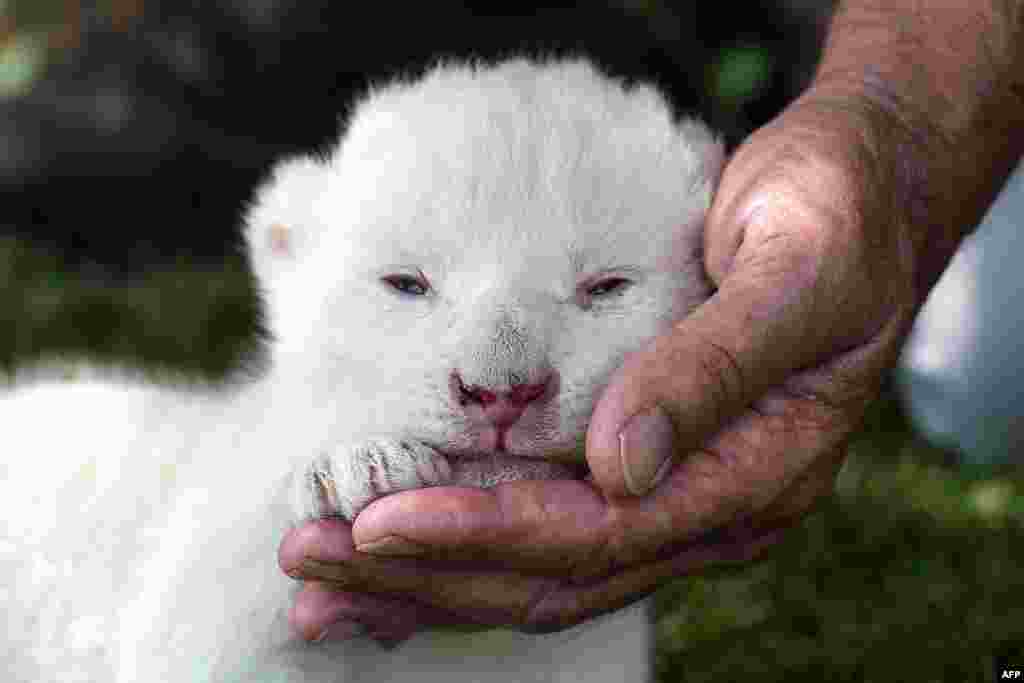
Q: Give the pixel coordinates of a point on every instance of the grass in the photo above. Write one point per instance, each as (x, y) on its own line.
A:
(911, 572)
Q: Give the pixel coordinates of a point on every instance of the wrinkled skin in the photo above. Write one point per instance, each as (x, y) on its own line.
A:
(808, 242)
(829, 227)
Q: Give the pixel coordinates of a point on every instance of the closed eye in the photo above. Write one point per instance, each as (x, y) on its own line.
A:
(406, 284)
(611, 285)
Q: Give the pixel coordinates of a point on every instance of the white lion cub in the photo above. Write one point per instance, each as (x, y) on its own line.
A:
(449, 290)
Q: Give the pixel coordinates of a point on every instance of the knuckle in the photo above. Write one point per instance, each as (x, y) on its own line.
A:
(552, 609)
(719, 377)
(598, 561)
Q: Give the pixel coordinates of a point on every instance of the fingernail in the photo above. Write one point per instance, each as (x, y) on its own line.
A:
(341, 630)
(645, 448)
(339, 573)
(392, 546)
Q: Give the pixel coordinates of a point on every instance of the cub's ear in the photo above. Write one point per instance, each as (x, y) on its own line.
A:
(282, 224)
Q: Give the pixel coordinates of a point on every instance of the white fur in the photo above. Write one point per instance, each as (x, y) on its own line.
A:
(140, 524)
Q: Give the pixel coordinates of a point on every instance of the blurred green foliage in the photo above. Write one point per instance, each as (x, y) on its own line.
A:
(739, 73)
(21, 62)
(912, 571)
(35, 15)
(199, 324)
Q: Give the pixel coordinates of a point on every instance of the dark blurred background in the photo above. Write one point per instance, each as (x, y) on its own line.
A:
(153, 120)
(132, 131)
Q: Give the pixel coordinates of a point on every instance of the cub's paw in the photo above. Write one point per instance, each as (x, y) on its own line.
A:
(344, 480)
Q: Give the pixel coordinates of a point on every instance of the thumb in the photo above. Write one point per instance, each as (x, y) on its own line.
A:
(799, 280)
(671, 397)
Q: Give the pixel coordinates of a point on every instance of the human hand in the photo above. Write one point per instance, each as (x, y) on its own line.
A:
(752, 397)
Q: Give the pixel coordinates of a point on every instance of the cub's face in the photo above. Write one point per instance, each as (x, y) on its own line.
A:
(482, 249)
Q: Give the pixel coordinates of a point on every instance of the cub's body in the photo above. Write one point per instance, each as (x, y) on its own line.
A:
(449, 290)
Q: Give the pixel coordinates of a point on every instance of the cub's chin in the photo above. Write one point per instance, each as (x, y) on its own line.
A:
(489, 469)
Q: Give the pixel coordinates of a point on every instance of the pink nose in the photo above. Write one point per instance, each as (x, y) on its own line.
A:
(500, 408)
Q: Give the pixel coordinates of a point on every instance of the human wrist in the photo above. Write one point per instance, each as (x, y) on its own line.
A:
(899, 173)
(940, 97)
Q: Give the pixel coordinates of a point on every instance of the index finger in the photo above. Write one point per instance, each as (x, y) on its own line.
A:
(565, 528)
(545, 525)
